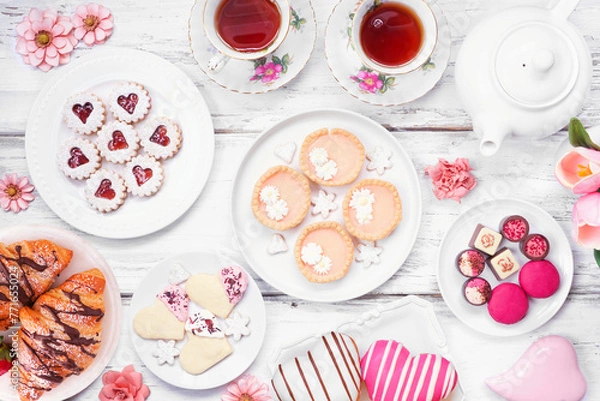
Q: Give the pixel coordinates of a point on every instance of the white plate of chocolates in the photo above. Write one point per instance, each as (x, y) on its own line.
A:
(505, 267)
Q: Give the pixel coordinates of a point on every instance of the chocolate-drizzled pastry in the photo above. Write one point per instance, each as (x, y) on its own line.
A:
(29, 269)
(60, 335)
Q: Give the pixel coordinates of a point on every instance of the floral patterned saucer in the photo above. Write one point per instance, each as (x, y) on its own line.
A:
(371, 86)
(265, 74)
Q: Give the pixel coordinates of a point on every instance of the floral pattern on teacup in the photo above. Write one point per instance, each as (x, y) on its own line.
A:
(297, 22)
(373, 82)
(268, 72)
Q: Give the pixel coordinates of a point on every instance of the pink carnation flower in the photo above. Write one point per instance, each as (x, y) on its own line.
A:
(15, 193)
(248, 388)
(45, 39)
(123, 386)
(93, 23)
(451, 180)
(269, 71)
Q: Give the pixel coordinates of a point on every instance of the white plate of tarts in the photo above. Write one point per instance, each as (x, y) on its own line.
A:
(198, 321)
(326, 205)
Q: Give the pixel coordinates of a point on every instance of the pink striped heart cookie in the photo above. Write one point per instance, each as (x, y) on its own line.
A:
(391, 373)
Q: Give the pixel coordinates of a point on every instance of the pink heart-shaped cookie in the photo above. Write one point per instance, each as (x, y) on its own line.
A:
(391, 373)
(177, 300)
(547, 371)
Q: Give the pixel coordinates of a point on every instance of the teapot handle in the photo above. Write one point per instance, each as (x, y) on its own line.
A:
(564, 8)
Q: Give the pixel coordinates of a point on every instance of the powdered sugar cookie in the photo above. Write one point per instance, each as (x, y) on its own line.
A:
(79, 158)
(129, 102)
(105, 190)
(118, 142)
(143, 175)
(161, 138)
(84, 113)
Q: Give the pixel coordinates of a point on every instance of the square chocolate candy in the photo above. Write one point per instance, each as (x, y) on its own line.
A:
(486, 240)
(503, 264)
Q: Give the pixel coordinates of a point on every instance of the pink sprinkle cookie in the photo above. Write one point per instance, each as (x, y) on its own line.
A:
(391, 373)
(535, 247)
(105, 191)
(539, 279)
(118, 142)
(129, 102)
(143, 175)
(514, 228)
(477, 291)
(177, 300)
(509, 304)
(84, 113)
(235, 283)
(79, 158)
(470, 263)
(547, 371)
(161, 138)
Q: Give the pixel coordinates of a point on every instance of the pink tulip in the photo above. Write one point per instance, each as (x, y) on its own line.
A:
(579, 170)
(586, 220)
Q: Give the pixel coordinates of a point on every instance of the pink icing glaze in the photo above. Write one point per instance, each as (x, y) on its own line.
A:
(382, 211)
(177, 300)
(509, 303)
(547, 371)
(340, 149)
(333, 244)
(235, 283)
(290, 191)
(539, 279)
(391, 373)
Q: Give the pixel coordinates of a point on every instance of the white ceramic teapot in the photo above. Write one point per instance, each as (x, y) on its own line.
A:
(524, 71)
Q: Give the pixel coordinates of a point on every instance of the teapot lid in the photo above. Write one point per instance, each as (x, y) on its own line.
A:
(536, 64)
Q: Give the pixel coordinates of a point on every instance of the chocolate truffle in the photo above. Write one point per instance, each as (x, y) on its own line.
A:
(535, 247)
(477, 291)
(509, 303)
(539, 278)
(503, 264)
(485, 239)
(470, 263)
(514, 228)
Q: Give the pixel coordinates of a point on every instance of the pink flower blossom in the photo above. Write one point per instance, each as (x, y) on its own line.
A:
(369, 81)
(586, 220)
(248, 388)
(451, 180)
(15, 193)
(93, 23)
(579, 170)
(123, 386)
(45, 39)
(268, 71)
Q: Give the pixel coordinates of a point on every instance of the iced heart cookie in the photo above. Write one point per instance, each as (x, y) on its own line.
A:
(328, 370)
(143, 175)
(201, 353)
(220, 292)
(391, 373)
(118, 142)
(281, 198)
(161, 138)
(176, 299)
(548, 371)
(78, 158)
(324, 252)
(129, 102)
(204, 324)
(372, 209)
(156, 322)
(84, 113)
(332, 157)
(105, 191)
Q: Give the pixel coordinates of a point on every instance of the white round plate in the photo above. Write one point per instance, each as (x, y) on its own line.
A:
(490, 214)
(84, 258)
(380, 89)
(173, 95)
(244, 351)
(247, 76)
(280, 270)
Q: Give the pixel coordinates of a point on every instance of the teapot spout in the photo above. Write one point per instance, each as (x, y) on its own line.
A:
(492, 134)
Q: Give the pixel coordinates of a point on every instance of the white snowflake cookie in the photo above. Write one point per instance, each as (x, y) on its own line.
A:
(84, 113)
(379, 159)
(129, 102)
(143, 175)
(161, 138)
(323, 204)
(178, 274)
(286, 151)
(277, 244)
(237, 326)
(105, 191)
(368, 253)
(165, 352)
(118, 142)
(78, 158)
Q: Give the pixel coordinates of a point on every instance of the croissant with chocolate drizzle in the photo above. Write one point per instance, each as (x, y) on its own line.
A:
(29, 267)
(60, 335)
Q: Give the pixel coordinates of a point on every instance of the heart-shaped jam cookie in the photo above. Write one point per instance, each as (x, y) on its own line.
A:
(105, 190)
(77, 158)
(118, 141)
(143, 175)
(83, 111)
(129, 102)
(161, 138)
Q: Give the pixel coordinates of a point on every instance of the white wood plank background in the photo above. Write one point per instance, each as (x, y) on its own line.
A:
(434, 126)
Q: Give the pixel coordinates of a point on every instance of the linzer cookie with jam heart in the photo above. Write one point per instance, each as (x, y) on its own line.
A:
(129, 102)
(84, 113)
(118, 142)
(143, 175)
(79, 158)
(105, 191)
(161, 138)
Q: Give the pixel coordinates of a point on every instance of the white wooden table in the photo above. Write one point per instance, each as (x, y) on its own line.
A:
(434, 126)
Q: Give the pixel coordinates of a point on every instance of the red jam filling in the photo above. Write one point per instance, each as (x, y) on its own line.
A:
(128, 102)
(118, 141)
(105, 190)
(160, 136)
(77, 158)
(142, 175)
(83, 112)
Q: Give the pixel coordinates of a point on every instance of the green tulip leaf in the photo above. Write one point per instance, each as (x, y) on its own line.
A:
(597, 256)
(578, 136)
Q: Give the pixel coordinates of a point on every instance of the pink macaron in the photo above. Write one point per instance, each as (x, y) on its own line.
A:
(539, 278)
(509, 303)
